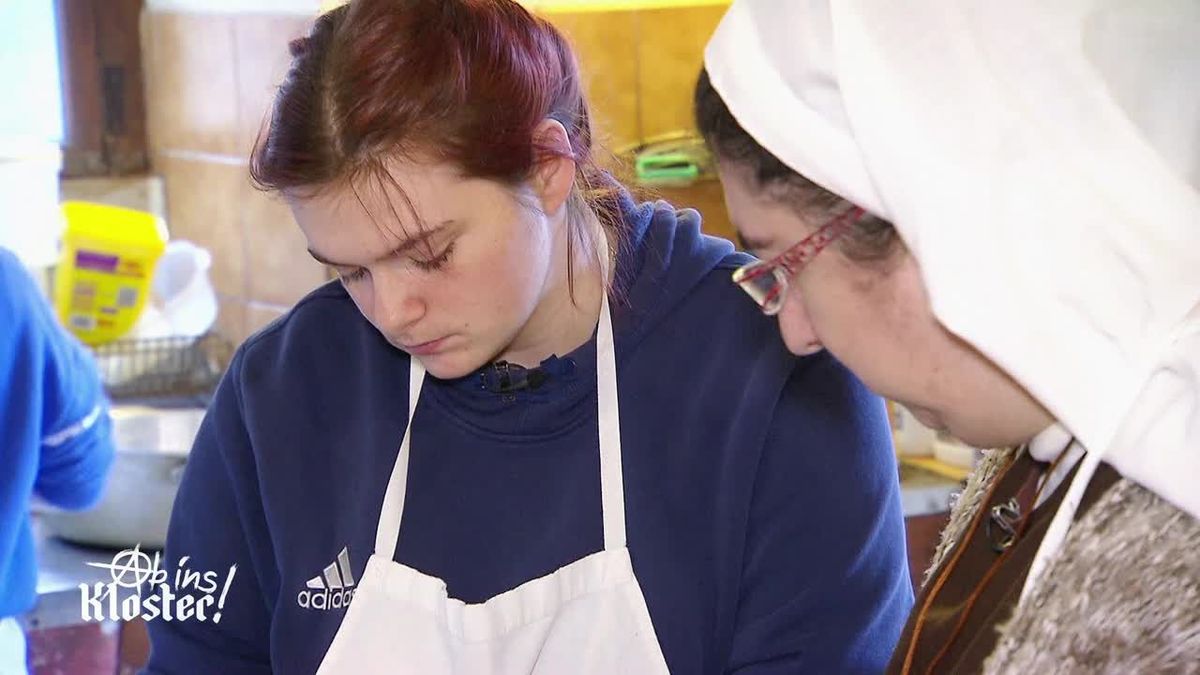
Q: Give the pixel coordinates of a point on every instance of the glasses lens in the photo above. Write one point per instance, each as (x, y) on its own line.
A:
(765, 285)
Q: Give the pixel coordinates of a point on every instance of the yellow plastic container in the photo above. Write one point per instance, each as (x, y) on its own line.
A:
(104, 272)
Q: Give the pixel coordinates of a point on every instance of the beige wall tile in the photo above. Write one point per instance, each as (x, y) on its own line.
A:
(262, 60)
(231, 318)
(259, 316)
(143, 193)
(191, 92)
(238, 319)
(202, 207)
(280, 270)
(605, 45)
(670, 54)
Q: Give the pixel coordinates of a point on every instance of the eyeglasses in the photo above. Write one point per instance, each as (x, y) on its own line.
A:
(766, 282)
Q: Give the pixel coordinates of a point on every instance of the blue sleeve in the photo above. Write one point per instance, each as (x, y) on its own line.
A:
(825, 574)
(54, 399)
(217, 522)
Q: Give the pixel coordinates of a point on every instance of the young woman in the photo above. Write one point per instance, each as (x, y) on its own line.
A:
(533, 428)
(1040, 289)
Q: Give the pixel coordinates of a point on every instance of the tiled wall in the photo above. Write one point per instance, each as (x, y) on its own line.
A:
(641, 67)
(210, 77)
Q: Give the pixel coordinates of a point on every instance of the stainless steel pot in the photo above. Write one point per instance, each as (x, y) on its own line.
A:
(152, 449)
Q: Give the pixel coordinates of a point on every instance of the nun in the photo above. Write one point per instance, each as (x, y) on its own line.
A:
(991, 212)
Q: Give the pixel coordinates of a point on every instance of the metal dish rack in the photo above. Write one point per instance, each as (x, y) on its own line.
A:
(163, 367)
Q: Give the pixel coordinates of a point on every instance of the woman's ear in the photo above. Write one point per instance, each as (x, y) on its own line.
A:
(554, 175)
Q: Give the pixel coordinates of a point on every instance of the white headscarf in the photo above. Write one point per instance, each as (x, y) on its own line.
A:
(1041, 159)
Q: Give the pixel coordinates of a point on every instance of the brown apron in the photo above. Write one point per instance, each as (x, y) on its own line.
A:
(981, 590)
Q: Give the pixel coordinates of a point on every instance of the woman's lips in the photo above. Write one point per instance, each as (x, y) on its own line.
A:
(426, 348)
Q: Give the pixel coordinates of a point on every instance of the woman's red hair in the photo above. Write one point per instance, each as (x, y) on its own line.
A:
(460, 81)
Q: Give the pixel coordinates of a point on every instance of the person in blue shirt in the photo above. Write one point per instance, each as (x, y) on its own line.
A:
(533, 427)
(55, 438)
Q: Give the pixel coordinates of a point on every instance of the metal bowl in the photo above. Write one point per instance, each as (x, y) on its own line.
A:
(152, 449)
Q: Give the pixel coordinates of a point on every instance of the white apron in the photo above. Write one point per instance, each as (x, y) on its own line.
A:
(587, 617)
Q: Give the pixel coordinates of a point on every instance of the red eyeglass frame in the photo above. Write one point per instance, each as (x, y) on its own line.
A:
(796, 256)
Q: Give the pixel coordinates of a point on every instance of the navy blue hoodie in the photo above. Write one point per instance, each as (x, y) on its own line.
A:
(761, 494)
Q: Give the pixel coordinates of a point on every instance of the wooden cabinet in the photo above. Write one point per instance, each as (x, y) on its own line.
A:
(104, 111)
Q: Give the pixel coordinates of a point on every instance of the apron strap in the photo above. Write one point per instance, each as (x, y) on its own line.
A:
(388, 531)
(1060, 525)
(612, 483)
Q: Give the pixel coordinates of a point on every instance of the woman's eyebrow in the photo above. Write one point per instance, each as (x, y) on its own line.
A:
(405, 246)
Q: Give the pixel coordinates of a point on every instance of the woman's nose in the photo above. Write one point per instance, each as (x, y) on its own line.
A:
(398, 304)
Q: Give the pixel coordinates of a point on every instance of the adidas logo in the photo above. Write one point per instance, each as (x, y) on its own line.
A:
(333, 588)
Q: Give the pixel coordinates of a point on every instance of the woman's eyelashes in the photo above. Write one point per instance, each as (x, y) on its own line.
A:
(437, 262)
(424, 264)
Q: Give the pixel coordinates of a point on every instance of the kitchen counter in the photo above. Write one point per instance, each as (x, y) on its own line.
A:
(62, 567)
(59, 639)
